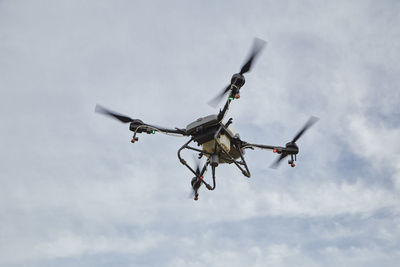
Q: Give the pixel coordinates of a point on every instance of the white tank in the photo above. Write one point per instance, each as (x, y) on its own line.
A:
(224, 141)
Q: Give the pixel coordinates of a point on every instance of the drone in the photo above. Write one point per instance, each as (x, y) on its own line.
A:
(215, 139)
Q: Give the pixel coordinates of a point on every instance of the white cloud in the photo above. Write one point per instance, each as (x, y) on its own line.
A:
(74, 187)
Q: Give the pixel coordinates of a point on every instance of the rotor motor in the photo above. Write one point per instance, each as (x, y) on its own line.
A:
(238, 80)
(291, 148)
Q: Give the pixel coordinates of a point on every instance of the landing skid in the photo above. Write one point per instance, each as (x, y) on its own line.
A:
(213, 159)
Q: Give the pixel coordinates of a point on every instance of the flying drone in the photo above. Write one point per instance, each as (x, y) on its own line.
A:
(215, 139)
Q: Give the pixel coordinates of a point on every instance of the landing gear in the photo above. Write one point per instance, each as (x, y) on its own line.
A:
(213, 160)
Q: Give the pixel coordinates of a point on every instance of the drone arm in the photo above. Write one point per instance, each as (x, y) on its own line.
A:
(223, 112)
(167, 130)
(140, 127)
(247, 145)
(289, 150)
(275, 149)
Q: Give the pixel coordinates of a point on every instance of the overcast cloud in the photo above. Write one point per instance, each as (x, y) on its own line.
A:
(75, 192)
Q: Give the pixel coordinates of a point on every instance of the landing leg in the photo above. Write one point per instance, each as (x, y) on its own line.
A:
(209, 187)
(214, 160)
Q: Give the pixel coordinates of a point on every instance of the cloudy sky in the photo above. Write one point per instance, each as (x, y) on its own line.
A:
(75, 192)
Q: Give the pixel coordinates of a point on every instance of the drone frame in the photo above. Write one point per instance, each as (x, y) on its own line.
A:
(213, 159)
(210, 128)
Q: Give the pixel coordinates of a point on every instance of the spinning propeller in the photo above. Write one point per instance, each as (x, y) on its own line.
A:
(238, 80)
(115, 115)
(196, 181)
(291, 147)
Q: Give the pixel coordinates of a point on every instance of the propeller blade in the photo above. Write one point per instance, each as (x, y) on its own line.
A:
(192, 194)
(217, 99)
(197, 163)
(278, 161)
(258, 45)
(195, 183)
(102, 110)
(308, 124)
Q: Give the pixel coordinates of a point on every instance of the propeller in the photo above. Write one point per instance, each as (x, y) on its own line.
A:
(308, 124)
(278, 161)
(258, 45)
(291, 147)
(122, 118)
(215, 101)
(195, 181)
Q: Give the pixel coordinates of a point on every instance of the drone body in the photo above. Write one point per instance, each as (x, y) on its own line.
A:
(216, 140)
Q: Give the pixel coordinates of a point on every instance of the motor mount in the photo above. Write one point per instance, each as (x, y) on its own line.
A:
(238, 80)
(291, 148)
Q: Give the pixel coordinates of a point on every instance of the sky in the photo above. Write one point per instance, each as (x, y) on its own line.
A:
(75, 192)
